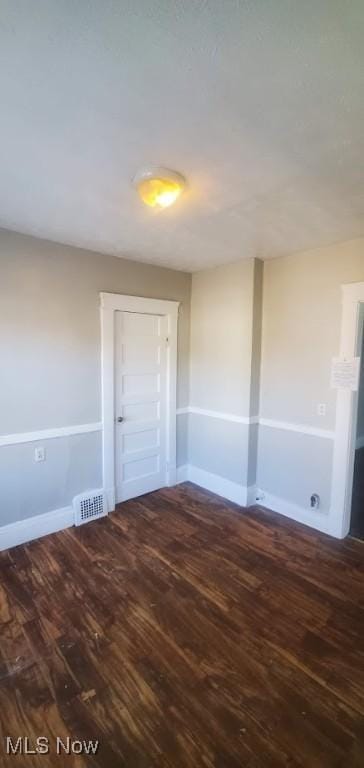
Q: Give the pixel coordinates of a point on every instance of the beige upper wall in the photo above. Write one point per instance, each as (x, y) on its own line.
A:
(50, 328)
(301, 330)
(221, 338)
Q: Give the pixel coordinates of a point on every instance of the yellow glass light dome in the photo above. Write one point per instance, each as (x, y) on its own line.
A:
(159, 187)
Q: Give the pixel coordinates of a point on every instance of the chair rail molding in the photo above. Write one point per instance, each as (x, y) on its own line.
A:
(49, 434)
(304, 429)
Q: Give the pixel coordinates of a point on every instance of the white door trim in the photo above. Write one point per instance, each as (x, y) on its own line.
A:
(110, 303)
(346, 412)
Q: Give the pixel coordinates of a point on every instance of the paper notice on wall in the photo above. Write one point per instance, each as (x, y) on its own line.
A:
(345, 373)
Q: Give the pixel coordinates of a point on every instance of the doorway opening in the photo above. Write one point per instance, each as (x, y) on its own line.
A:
(357, 502)
(346, 413)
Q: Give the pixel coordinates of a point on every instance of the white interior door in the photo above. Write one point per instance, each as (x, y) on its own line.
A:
(140, 403)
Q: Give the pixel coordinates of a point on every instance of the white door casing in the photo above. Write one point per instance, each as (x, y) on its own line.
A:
(139, 375)
(346, 413)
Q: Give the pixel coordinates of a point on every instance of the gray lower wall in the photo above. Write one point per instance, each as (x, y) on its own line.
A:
(292, 466)
(252, 454)
(219, 447)
(73, 465)
(288, 465)
(182, 439)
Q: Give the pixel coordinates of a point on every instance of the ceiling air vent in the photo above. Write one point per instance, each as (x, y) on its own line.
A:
(89, 506)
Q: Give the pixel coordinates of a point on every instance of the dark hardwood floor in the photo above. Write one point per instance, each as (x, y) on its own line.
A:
(182, 631)
(357, 505)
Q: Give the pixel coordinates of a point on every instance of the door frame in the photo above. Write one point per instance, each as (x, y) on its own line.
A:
(109, 304)
(346, 414)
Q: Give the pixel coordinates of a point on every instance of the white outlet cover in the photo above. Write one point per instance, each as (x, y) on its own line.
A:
(39, 454)
(321, 409)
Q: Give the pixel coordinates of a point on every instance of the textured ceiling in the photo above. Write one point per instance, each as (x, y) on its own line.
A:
(259, 104)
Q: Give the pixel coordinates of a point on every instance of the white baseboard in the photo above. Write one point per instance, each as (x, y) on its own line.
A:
(318, 520)
(111, 499)
(251, 495)
(23, 531)
(219, 485)
(246, 497)
(214, 483)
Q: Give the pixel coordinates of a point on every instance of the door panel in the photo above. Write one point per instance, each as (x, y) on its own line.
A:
(141, 412)
(136, 384)
(138, 468)
(140, 400)
(137, 441)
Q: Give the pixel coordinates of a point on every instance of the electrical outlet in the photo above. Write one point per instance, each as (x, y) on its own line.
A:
(321, 409)
(315, 501)
(39, 454)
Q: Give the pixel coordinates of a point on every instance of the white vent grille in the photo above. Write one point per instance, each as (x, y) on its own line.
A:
(88, 506)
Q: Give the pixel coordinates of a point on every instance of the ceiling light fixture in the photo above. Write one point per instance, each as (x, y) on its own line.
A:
(159, 187)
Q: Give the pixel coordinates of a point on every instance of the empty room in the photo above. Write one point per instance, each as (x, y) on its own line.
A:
(182, 384)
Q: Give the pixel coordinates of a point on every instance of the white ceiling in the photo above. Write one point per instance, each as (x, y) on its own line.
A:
(259, 103)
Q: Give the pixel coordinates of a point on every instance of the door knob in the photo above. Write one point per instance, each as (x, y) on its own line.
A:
(119, 419)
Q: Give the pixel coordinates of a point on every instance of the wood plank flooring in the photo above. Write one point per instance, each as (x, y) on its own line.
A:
(182, 632)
